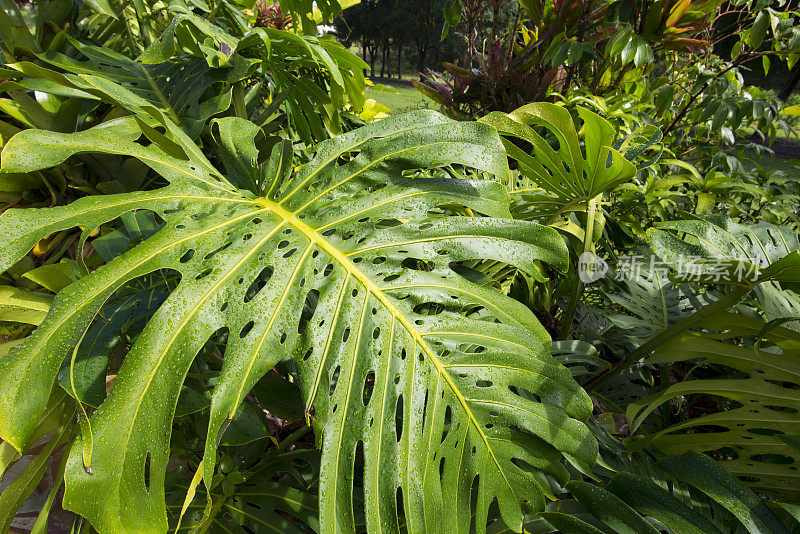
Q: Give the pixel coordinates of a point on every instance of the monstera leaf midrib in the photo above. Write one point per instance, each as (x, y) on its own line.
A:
(473, 334)
(318, 240)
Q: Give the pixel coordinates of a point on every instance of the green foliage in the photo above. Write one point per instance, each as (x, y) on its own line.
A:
(554, 181)
(335, 259)
(239, 297)
(627, 500)
(749, 434)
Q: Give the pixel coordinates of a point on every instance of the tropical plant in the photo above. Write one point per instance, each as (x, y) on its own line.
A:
(236, 296)
(299, 247)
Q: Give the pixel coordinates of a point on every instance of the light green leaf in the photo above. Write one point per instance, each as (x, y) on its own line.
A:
(53, 277)
(759, 30)
(558, 175)
(21, 306)
(791, 110)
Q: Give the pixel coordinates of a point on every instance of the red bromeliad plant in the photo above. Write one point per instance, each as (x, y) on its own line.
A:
(555, 44)
(506, 68)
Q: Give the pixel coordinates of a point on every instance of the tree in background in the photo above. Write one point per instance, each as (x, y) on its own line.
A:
(425, 29)
(389, 30)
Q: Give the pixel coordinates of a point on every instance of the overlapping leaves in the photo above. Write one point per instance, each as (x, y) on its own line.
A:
(311, 78)
(344, 263)
(764, 255)
(178, 84)
(174, 86)
(628, 500)
(756, 389)
(754, 361)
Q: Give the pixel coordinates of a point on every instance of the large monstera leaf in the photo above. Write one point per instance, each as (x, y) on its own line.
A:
(346, 263)
(558, 171)
(174, 86)
(757, 433)
(765, 253)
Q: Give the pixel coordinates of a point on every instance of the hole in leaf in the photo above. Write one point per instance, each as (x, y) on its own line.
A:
(369, 386)
(204, 273)
(334, 380)
(780, 459)
(309, 308)
(246, 329)
(765, 431)
(218, 250)
(400, 508)
(448, 417)
(398, 418)
(188, 255)
(258, 283)
(417, 264)
(473, 500)
(147, 465)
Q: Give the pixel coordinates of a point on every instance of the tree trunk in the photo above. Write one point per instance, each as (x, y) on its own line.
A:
(364, 45)
(786, 92)
(422, 52)
(372, 53)
(399, 60)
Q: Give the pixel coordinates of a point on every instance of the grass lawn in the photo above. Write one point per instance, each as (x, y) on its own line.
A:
(399, 97)
(778, 163)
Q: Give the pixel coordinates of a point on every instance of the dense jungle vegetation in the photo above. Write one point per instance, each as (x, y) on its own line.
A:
(240, 295)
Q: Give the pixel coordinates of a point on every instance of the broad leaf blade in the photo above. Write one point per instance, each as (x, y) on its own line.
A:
(710, 478)
(555, 174)
(346, 265)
